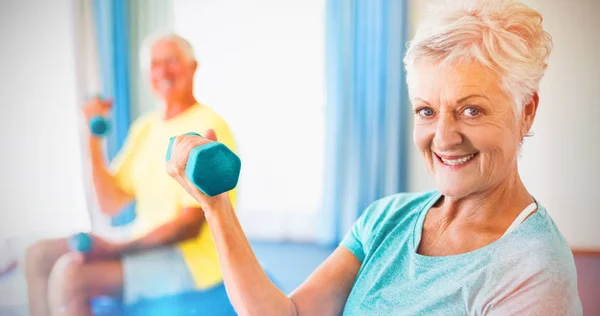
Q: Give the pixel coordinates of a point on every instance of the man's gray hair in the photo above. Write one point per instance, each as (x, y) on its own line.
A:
(184, 45)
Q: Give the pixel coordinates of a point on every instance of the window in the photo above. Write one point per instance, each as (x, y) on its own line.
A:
(262, 69)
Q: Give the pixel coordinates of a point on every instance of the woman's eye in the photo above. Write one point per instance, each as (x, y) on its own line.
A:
(425, 112)
(471, 111)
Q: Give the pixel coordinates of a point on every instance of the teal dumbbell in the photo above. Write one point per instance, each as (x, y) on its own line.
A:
(80, 242)
(212, 168)
(99, 126)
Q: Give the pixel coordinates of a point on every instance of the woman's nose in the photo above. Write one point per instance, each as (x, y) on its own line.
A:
(447, 134)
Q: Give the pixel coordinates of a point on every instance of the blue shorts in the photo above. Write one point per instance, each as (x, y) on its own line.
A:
(155, 273)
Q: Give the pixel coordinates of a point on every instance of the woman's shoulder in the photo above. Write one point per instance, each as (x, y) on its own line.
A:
(541, 232)
(539, 245)
(533, 263)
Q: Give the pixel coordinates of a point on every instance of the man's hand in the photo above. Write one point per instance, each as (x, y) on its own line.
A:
(103, 249)
(96, 107)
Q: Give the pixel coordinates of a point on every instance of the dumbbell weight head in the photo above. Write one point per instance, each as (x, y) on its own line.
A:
(99, 126)
(212, 168)
(80, 242)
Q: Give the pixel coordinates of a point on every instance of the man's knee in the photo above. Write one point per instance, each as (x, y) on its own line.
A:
(66, 280)
(35, 258)
(40, 257)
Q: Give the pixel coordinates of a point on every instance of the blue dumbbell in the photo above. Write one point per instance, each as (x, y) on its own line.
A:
(99, 126)
(212, 168)
(80, 242)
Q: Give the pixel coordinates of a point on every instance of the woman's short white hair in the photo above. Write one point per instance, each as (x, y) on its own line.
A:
(504, 35)
(151, 40)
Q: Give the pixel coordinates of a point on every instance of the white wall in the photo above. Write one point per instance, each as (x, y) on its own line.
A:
(41, 164)
(560, 164)
(418, 178)
(262, 68)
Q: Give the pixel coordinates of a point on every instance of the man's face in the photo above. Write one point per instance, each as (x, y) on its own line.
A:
(171, 72)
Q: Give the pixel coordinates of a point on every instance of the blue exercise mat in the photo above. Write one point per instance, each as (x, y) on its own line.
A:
(213, 302)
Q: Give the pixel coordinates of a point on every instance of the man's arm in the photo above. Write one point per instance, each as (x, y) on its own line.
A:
(185, 226)
(111, 198)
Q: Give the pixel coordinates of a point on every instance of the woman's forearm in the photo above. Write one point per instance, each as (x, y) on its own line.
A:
(250, 290)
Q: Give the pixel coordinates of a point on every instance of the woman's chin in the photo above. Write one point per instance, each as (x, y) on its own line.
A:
(454, 188)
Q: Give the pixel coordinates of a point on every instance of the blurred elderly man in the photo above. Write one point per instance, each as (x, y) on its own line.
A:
(172, 250)
(480, 244)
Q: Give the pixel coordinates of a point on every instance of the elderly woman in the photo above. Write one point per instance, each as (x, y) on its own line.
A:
(480, 244)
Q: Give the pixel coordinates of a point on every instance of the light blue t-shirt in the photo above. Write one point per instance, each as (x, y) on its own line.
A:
(530, 271)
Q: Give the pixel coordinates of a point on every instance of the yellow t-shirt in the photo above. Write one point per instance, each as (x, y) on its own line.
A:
(140, 169)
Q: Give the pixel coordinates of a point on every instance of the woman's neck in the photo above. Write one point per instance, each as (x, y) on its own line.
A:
(459, 225)
(500, 204)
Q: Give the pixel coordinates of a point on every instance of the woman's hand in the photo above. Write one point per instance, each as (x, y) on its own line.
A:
(178, 162)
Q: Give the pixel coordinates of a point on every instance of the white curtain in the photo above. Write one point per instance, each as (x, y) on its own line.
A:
(145, 18)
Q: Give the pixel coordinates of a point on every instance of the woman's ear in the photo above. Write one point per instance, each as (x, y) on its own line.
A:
(528, 113)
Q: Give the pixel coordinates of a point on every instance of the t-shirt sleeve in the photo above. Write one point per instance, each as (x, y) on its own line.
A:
(121, 166)
(353, 240)
(224, 136)
(552, 290)
(359, 239)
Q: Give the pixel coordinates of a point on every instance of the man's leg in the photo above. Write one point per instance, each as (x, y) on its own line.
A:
(73, 283)
(39, 260)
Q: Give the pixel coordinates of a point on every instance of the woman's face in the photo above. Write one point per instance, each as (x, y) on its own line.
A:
(465, 127)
